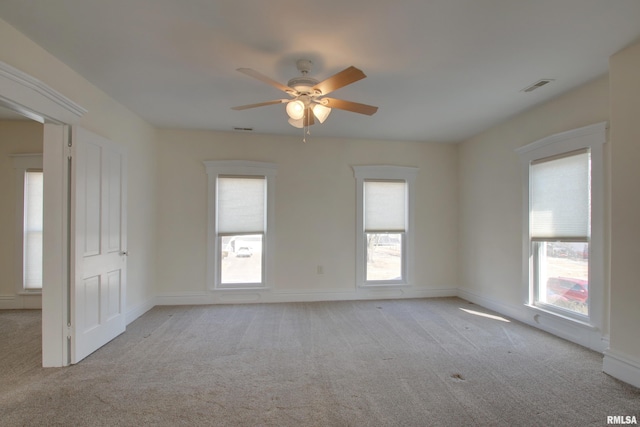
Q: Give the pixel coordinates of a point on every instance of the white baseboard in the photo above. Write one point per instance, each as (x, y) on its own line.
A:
(582, 334)
(21, 302)
(275, 296)
(138, 310)
(622, 367)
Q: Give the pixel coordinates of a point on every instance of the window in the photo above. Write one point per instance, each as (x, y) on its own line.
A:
(384, 225)
(564, 246)
(559, 224)
(241, 225)
(29, 219)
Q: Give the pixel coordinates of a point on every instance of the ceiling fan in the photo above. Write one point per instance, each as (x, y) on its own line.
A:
(308, 100)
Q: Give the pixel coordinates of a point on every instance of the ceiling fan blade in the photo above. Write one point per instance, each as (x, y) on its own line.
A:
(349, 106)
(343, 78)
(260, 104)
(268, 80)
(308, 117)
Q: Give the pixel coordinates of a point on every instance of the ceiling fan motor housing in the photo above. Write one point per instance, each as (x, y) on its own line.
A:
(302, 84)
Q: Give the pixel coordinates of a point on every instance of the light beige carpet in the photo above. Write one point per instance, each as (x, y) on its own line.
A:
(420, 362)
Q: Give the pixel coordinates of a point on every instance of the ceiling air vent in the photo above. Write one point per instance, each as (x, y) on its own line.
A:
(239, 129)
(536, 85)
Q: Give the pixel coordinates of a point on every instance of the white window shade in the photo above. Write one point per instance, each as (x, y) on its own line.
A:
(241, 204)
(385, 206)
(32, 243)
(560, 197)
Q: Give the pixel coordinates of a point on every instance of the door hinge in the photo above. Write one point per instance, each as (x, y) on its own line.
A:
(69, 152)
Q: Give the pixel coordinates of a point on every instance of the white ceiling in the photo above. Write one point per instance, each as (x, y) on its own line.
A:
(440, 70)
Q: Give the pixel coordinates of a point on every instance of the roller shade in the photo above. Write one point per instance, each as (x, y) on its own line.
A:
(241, 205)
(560, 197)
(385, 206)
(32, 243)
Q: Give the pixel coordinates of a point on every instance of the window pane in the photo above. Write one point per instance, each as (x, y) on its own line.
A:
(384, 256)
(32, 238)
(562, 274)
(241, 259)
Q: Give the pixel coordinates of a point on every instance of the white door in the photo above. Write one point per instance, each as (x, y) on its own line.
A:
(98, 242)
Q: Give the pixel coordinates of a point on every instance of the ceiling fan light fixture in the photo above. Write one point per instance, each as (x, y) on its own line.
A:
(308, 104)
(295, 109)
(321, 112)
(299, 123)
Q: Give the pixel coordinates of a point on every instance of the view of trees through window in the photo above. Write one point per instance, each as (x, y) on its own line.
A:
(384, 256)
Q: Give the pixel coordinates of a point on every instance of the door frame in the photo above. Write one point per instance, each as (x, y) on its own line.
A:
(36, 100)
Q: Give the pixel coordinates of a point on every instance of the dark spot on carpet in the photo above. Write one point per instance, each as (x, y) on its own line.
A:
(458, 377)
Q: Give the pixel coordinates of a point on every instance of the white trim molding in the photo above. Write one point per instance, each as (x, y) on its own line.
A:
(21, 302)
(34, 99)
(215, 168)
(249, 296)
(138, 310)
(622, 367)
(385, 172)
(592, 137)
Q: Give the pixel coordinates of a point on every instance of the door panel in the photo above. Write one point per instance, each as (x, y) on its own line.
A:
(114, 170)
(98, 242)
(113, 294)
(90, 200)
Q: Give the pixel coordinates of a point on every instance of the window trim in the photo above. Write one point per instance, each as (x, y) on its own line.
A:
(215, 168)
(22, 163)
(385, 172)
(593, 138)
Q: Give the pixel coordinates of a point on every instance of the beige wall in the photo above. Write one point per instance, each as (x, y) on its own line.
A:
(16, 137)
(315, 207)
(625, 205)
(491, 193)
(112, 120)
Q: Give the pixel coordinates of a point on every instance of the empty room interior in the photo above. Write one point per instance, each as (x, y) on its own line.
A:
(336, 213)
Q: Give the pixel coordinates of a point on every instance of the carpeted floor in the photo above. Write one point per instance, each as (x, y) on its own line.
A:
(427, 362)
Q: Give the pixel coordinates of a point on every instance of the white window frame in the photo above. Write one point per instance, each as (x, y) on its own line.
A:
(22, 163)
(593, 138)
(239, 168)
(385, 172)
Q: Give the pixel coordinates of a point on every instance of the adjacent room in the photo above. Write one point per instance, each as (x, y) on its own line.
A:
(337, 213)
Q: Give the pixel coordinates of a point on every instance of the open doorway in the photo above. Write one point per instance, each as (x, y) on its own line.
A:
(23, 94)
(21, 189)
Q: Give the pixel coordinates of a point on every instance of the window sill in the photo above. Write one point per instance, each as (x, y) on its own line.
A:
(576, 321)
(384, 285)
(241, 288)
(30, 293)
